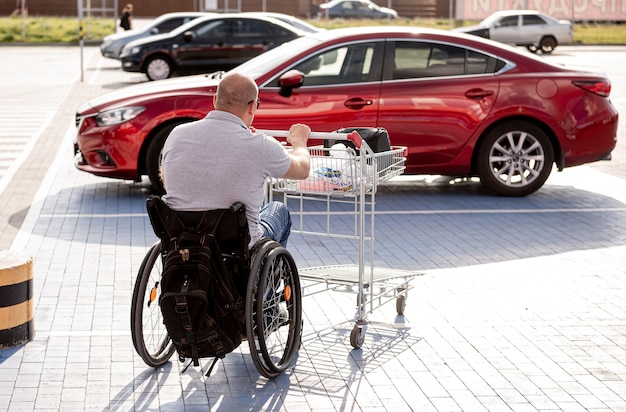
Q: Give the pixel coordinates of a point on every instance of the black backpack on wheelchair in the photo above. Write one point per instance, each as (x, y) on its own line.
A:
(204, 278)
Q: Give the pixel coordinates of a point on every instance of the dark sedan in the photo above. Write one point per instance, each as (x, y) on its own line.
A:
(112, 44)
(462, 105)
(218, 42)
(356, 9)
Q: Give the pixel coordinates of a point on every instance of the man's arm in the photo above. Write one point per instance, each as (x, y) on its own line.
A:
(300, 157)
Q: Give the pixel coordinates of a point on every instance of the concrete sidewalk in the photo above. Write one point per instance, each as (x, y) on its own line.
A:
(521, 305)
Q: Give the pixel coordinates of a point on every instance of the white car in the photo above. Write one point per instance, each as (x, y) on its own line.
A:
(530, 28)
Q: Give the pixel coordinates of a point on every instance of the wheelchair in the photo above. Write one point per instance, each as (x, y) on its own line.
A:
(269, 281)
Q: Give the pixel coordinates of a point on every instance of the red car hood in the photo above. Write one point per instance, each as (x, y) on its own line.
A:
(128, 95)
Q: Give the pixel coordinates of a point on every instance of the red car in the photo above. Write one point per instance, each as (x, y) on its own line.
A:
(462, 105)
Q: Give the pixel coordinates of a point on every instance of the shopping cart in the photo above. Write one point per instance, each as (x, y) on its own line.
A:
(338, 200)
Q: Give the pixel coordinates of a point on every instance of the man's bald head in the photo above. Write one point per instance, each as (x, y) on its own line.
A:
(235, 92)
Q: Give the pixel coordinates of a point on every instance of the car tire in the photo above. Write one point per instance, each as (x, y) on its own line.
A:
(159, 68)
(153, 157)
(515, 159)
(547, 44)
(532, 48)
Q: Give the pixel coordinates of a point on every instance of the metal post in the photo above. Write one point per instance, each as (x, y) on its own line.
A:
(115, 11)
(22, 12)
(80, 36)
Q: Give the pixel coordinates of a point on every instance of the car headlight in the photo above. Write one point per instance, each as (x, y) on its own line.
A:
(130, 51)
(117, 116)
(134, 50)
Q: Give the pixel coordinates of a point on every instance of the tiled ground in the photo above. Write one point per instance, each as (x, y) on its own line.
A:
(521, 306)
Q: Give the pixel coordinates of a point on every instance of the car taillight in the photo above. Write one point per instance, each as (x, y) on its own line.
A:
(601, 88)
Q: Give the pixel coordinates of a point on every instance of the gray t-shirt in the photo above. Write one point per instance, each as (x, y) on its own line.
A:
(217, 161)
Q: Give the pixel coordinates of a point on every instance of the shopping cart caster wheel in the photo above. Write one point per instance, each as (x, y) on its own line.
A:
(400, 304)
(357, 337)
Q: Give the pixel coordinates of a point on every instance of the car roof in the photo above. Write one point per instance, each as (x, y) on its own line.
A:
(373, 33)
(182, 14)
(377, 30)
(237, 15)
(332, 3)
(516, 12)
(287, 18)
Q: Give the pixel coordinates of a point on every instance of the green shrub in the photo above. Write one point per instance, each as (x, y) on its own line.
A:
(66, 30)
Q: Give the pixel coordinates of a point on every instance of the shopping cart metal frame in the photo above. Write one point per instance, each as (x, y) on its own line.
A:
(366, 169)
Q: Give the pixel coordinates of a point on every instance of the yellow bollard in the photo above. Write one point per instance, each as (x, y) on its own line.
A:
(17, 307)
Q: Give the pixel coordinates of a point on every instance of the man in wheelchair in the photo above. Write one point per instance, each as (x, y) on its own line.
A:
(212, 256)
(220, 160)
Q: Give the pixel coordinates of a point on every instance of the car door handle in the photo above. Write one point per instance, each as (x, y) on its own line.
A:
(478, 94)
(357, 103)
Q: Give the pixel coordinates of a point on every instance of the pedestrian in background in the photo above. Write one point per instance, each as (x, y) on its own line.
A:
(126, 22)
(18, 8)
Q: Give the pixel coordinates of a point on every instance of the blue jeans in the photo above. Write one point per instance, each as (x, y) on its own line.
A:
(276, 222)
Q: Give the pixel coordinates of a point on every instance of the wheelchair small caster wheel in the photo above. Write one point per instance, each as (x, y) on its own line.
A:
(357, 337)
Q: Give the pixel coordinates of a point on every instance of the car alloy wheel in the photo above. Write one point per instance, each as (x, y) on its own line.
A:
(547, 44)
(515, 159)
(158, 68)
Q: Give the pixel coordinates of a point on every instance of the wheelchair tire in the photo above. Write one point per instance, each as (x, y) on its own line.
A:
(149, 335)
(273, 309)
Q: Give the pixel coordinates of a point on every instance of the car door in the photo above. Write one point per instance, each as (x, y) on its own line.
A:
(250, 37)
(507, 30)
(349, 9)
(206, 46)
(533, 29)
(434, 97)
(341, 89)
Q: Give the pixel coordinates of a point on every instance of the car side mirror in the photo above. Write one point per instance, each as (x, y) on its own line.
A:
(188, 36)
(289, 81)
(154, 30)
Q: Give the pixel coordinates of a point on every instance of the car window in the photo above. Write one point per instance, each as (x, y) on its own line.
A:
(508, 21)
(414, 60)
(171, 24)
(343, 65)
(347, 5)
(532, 20)
(212, 29)
(256, 28)
(353, 63)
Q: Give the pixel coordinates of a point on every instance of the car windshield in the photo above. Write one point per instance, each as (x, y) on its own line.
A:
(188, 26)
(275, 57)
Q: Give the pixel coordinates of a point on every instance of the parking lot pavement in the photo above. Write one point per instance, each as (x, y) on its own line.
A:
(520, 305)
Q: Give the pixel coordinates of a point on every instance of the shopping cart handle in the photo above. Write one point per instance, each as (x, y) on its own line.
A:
(354, 136)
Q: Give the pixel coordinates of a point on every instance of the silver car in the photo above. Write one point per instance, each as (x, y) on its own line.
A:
(530, 28)
(112, 45)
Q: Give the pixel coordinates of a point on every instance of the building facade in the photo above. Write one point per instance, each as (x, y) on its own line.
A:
(151, 8)
(578, 10)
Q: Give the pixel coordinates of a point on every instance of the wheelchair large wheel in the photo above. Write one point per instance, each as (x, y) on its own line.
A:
(273, 309)
(150, 337)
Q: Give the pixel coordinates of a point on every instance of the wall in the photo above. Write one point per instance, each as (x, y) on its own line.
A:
(151, 8)
(578, 10)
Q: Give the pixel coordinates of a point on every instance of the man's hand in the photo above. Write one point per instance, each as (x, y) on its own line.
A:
(300, 158)
(298, 135)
